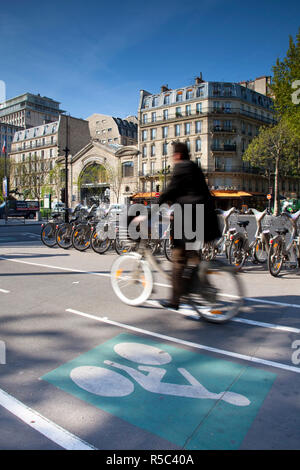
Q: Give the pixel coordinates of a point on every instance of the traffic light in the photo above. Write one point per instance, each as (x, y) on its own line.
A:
(63, 195)
(157, 188)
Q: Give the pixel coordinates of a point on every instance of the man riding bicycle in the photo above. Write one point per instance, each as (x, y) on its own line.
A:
(187, 187)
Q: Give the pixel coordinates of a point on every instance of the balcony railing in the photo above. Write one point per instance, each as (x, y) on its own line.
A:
(219, 129)
(238, 169)
(215, 112)
(224, 148)
(35, 145)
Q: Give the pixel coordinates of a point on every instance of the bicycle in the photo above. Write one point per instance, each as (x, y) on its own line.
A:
(240, 248)
(132, 281)
(64, 231)
(81, 233)
(221, 245)
(48, 231)
(281, 252)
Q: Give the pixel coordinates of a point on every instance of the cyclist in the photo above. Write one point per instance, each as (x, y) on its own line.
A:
(187, 186)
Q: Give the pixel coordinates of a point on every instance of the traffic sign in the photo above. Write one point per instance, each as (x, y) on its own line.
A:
(157, 194)
(269, 196)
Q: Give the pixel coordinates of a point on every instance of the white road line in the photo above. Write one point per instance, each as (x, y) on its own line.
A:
(243, 357)
(251, 299)
(5, 291)
(188, 312)
(44, 426)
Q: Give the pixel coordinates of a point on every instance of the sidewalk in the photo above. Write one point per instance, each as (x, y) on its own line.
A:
(19, 221)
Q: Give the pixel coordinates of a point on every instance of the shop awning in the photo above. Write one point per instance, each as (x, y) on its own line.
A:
(144, 195)
(230, 194)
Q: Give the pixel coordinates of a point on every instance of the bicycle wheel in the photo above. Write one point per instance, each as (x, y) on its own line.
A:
(131, 279)
(48, 234)
(236, 252)
(168, 249)
(64, 236)
(208, 251)
(275, 257)
(81, 237)
(219, 294)
(98, 245)
(125, 246)
(260, 253)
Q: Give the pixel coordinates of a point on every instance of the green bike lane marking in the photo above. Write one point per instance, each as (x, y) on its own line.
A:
(190, 399)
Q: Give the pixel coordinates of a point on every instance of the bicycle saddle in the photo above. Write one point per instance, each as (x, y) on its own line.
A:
(282, 232)
(244, 223)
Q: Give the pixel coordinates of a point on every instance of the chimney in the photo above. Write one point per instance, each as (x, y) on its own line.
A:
(199, 79)
(164, 88)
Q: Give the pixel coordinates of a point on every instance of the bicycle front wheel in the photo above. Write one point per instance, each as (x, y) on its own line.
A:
(260, 253)
(275, 257)
(168, 249)
(131, 279)
(98, 245)
(81, 237)
(236, 252)
(219, 294)
(64, 236)
(48, 234)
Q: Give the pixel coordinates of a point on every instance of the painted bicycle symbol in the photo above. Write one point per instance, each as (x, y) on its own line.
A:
(109, 383)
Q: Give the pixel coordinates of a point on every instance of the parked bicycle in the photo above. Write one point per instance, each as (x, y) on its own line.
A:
(64, 231)
(221, 246)
(48, 230)
(282, 252)
(240, 248)
(81, 233)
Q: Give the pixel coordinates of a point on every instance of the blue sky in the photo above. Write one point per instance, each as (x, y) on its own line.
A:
(95, 56)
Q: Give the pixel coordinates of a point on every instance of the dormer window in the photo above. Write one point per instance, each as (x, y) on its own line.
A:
(179, 96)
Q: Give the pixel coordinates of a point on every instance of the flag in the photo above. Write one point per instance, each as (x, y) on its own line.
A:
(4, 146)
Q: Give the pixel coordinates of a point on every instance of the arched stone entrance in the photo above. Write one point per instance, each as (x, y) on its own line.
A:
(93, 184)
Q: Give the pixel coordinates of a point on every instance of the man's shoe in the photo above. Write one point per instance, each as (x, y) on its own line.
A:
(168, 304)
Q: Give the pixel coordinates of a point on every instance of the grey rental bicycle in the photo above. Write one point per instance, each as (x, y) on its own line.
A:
(221, 245)
(240, 248)
(132, 281)
(282, 252)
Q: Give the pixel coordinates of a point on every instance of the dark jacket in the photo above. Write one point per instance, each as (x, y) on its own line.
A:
(188, 186)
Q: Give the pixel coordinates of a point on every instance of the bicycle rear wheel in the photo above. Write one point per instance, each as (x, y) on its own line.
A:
(131, 279)
(219, 295)
(48, 234)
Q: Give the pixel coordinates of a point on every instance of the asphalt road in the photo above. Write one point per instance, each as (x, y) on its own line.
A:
(83, 370)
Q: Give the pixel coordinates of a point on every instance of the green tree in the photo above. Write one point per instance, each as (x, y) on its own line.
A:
(286, 85)
(279, 147)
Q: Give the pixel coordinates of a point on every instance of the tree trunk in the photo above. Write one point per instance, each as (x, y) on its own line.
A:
(276, 189)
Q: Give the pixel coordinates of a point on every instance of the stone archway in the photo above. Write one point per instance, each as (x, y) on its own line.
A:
(93, 183)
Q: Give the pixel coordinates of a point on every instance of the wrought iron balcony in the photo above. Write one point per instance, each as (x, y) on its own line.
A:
(224, 148)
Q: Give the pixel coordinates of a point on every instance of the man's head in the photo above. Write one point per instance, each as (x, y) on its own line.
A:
(180, 152)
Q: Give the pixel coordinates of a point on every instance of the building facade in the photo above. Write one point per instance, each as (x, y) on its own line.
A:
(34, 153)
(29, 110)
(217, 120)
(103, 172)
(7, 134)
(110, 130)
